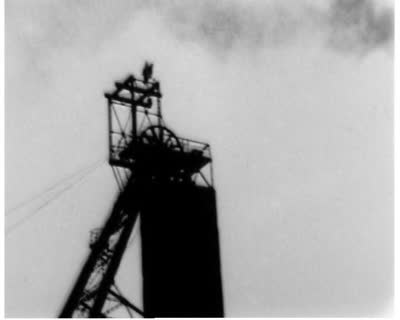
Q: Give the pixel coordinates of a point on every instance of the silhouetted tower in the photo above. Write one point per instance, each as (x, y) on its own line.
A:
(168, 181)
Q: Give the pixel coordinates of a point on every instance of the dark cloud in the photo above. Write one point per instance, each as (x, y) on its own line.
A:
(224, 25)
(219, 25)
(345, 25)
(360, 25)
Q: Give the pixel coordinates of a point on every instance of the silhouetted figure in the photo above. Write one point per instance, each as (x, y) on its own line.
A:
(147, 71)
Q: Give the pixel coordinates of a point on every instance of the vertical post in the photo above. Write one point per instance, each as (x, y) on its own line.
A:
(110, 131)
(157, 85)
(211, 168)
(133, 110)
(159, 112)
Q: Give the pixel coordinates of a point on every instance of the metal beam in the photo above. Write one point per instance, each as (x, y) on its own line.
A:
(77, 292)
(126, 302)
(108, 279)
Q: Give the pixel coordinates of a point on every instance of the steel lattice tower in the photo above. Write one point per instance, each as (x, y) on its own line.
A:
(167, 180)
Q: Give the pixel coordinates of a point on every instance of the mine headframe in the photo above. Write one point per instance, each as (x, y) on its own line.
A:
(141, 150)
(141, 143)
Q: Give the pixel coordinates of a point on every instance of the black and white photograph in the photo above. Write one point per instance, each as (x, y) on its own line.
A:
(197, 159)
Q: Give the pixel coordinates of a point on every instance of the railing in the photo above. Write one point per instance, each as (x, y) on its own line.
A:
(187, 145)
(195, 146)
(200, 150)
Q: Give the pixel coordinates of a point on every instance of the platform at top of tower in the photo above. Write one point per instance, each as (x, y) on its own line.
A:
(158, 151)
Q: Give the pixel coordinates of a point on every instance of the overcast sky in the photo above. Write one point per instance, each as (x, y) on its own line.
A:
(296, 100)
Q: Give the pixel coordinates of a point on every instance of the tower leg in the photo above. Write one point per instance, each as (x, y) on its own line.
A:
(97, 275)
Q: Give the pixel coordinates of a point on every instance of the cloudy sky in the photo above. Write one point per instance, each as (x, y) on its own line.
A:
(295, 98)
